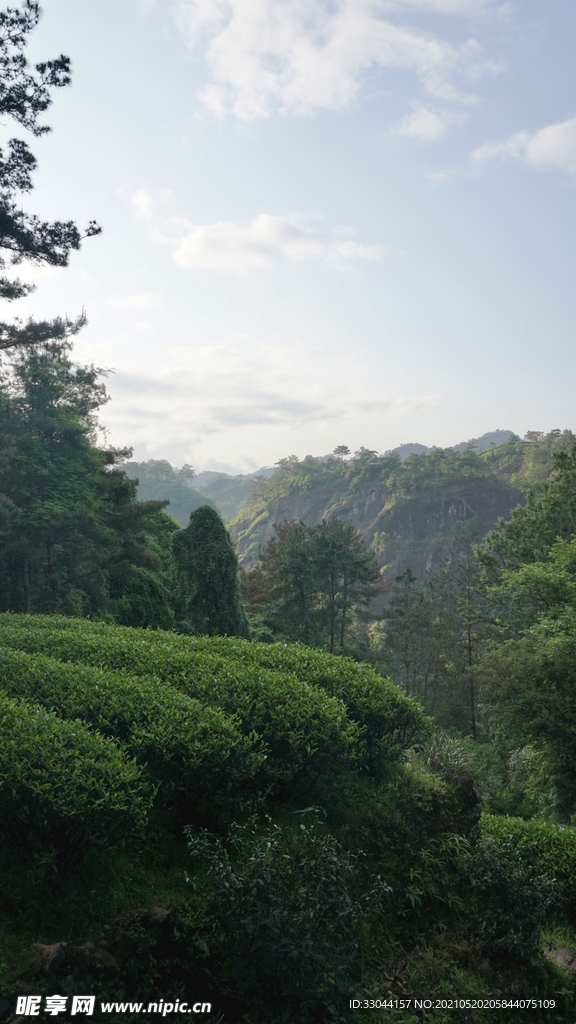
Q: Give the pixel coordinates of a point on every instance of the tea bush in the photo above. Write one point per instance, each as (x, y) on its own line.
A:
(188, 748)
(505, 905)
(64, 788)
(544, 849)
(304, 730)
(285, 909)
(229, 672)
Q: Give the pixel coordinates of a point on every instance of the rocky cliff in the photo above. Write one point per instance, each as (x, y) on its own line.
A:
(412, 531)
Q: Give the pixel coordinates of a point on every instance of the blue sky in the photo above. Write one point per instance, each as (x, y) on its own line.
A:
(344, 222)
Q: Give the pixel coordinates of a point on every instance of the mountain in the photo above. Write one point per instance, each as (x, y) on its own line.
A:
(406, 503)
(493, 439)
(229, 493)
(157, 479)
(407, 509)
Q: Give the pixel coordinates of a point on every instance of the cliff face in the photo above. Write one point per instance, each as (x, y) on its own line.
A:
(413, 532)
(418, 532)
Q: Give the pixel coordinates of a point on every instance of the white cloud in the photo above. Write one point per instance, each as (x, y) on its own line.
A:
(427, 123)
(299, 56)
(140, 300)
(29, 272)
(552, 147)
(225, 394)
(144, 203)
(237, 248)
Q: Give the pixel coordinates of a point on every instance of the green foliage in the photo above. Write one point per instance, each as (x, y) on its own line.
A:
(530, 462)
(439, 468)
(509, 779)
(296, 699)
(549, 514)
(271, 908)
(434, 634)
(140, 599)
(492, 631)
(24, 96)
(303, 729)
(207, 588)
(541, 849)
(311, 583)
(506, 904)
(389, 720)
(411, 830)
(530, 686)
(284, 912)
(191, 751)
(72, 536)
(536, 589)
(64, 788)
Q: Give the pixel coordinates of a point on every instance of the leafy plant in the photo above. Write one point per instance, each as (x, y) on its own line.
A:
(64, 788)
(191, 750)
(284, 908)
(542, 849)
(309, 708)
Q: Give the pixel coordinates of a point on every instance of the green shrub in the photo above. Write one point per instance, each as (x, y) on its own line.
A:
(63, 787)
(411, 831)
(192, 750)
(504, 905)
(544, 849)
(306, 732)
(389, 720)
(284, 910)
(139, 599)
(224, 671)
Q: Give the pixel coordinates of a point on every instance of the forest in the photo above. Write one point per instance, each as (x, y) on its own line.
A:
(315, 787)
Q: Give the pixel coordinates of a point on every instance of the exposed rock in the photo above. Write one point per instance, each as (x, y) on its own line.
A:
(47, 959)
(125, 941)
(414, 532)
(89, 957)
(59, 959)
(562, 956)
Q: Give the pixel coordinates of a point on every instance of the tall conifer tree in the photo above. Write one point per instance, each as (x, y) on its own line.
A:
(207, 583)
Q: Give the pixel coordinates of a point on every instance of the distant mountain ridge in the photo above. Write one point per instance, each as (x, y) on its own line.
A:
(407, 509)
(372, 490)
(230, 493)
(493, 438)
(158, 480)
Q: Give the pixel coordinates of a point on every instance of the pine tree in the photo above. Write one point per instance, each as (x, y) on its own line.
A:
(73, 538)
(24, 96)
(312, 582)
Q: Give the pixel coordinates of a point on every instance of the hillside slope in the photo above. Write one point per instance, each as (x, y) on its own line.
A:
(406, 510)
(158, 480)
